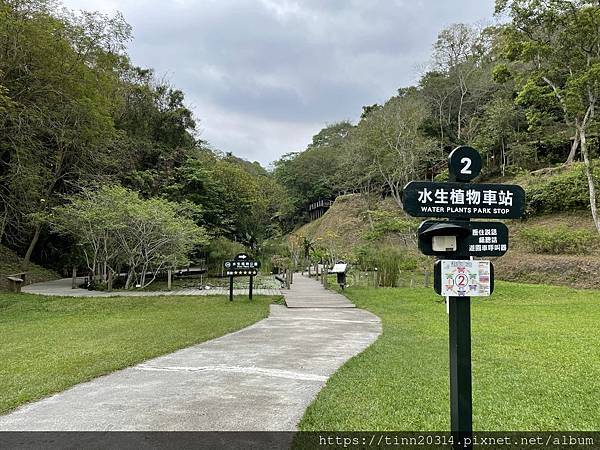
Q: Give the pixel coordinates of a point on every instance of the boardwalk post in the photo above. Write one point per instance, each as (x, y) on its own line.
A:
(169, 275)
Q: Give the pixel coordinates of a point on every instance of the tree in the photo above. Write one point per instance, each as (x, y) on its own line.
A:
(558, 42)
(315, 173)
(391, 138)
(59, 74)
(499, 134)
(115, 228)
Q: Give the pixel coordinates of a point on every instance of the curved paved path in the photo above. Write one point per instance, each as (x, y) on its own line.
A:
(260, 378)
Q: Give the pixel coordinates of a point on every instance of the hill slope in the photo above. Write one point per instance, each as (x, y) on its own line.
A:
(353, 221)
(10, 264)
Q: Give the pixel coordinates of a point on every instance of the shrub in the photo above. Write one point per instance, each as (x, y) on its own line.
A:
(560, 240)
(562, 192)
(385, 222)
(389, 261)
(221, 249)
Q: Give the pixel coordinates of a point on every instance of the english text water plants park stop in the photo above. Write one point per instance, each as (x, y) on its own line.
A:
(456, 242)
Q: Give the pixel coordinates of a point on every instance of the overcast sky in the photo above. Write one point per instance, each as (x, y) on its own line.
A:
(264, 76)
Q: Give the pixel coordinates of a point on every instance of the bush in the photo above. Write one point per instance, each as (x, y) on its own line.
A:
(562, 192)
(387, 222)
(221, 249)
(388, 261)
(561, 240)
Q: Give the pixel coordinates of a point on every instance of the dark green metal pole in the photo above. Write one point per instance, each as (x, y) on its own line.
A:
(250, 288)
(461, 410)
(231, 288)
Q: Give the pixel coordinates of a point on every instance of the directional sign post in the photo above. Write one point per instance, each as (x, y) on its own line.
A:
(241, 265)
(455, 242)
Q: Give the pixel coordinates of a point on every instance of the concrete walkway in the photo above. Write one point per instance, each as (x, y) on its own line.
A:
(309, 293)
(63, 288)
(260, 378)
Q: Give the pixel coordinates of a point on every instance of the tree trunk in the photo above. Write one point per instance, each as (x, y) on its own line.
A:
(143, 279)
(129, 278)
(574, 147)
(34, 240)
(590, 177)
(503, 159)
(4, 221)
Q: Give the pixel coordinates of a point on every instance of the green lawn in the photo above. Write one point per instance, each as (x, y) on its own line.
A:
(536, 363)
(51, 343)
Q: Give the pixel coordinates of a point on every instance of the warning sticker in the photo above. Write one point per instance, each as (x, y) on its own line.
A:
(465, 278)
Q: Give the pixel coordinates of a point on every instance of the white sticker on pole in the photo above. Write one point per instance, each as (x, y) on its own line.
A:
(466, 278)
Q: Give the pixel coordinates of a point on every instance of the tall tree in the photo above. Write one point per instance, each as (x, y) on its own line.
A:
(558, 41)
(392, 139)
(60, 75)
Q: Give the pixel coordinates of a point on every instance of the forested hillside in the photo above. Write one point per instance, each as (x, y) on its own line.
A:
(102, 166)
(524, 93)
(91, 144)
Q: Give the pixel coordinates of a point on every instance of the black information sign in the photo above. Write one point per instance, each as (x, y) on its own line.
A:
(456, 274)
(463, 200)
(475, 238)
(241, 266)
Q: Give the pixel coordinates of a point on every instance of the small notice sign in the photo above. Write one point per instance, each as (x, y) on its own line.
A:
(477, 239)
(465, 278)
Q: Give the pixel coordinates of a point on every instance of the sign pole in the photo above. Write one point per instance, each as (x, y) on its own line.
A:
(231, 288)
(250, 287)
(461, 409)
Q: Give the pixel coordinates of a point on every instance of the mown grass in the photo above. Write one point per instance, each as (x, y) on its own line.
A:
(536, 363)
(51, 343)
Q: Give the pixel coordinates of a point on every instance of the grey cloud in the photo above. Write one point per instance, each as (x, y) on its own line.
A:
(295, 65)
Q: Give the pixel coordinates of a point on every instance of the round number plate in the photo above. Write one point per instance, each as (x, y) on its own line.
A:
(464, 163)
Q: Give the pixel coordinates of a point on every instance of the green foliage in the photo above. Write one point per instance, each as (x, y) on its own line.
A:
(442, 176)
(314, 173)
(388, 222)
(219, 250)
(558, 240)
(115, 228)
(388, 261)
(562, 192)
(235, 199)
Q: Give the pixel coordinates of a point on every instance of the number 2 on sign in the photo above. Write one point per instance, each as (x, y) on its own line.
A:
(462, 280)
(467, 168)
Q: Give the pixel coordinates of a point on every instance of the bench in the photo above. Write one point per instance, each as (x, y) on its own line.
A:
(16, 281)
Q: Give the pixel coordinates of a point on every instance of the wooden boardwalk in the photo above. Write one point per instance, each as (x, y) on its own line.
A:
(62, 288)
(309, 293)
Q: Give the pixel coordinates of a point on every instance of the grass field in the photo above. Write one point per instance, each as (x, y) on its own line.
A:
(536, 363)
(51, 343)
